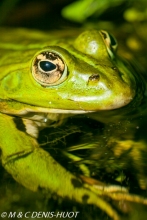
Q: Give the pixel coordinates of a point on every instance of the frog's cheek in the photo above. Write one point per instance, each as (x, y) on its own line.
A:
(11, 81)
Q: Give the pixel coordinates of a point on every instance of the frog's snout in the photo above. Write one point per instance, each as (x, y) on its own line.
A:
(93, 79)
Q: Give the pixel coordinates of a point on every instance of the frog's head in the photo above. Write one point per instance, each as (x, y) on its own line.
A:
(79, 76)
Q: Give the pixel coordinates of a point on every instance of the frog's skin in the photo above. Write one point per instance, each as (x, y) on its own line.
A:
(44, 79)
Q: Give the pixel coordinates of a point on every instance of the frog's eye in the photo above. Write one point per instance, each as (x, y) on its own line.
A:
(110, 42)
(48, 68)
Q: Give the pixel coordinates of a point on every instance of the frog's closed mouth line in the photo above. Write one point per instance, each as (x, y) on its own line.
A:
(38, 110)
(45, 110)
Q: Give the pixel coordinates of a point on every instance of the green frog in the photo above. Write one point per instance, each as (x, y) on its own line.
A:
(48, 77)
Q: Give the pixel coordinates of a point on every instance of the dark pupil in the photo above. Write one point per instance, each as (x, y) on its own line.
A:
(47, 66)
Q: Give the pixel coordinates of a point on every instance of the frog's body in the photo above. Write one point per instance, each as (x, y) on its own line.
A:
(44, 82)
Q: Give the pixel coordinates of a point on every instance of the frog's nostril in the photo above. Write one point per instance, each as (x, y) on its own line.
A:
(93, 80)
(94, 77)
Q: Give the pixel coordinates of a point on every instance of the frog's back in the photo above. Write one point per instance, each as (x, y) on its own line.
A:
(22, 39)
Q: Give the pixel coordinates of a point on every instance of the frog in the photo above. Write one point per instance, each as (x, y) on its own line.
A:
(47, 78)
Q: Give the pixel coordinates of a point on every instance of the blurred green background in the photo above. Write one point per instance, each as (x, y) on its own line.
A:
(55, 14)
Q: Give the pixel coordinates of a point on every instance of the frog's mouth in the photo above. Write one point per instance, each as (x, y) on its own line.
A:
(17, 108)
(34, 112)
(45, 111)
